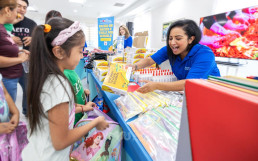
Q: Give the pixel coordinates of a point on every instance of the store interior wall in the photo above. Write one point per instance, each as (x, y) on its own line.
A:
(189, 9)
(152, 20)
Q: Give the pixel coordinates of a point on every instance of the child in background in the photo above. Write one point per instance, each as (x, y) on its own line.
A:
(55, 47)
(12, 137)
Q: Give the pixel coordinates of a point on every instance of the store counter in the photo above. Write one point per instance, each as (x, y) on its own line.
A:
(132, 145)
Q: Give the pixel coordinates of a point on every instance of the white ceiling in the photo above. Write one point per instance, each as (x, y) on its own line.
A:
(92, 9)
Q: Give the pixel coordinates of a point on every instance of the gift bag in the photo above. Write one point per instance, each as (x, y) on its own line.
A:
(98, 145)
(11, 145)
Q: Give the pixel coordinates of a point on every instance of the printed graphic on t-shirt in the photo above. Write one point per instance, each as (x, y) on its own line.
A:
(77, 87)
(21, 31)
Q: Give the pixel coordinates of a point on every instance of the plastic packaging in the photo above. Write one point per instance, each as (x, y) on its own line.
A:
(128, 106)
(156, 140)
(120, 44)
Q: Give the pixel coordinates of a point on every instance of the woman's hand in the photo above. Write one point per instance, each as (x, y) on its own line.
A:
(23, 57)
(149, 87)
(102, 123)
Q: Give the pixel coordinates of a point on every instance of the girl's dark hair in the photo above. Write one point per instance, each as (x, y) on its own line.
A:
(191, 29)
(52, 13)
(43, 63)
(8, 3)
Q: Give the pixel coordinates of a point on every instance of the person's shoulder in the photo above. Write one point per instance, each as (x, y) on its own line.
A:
(204, 51)
(2, 28)
(30, 20)
(54, 80)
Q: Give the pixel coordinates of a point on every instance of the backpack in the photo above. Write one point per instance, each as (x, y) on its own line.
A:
(98, 145)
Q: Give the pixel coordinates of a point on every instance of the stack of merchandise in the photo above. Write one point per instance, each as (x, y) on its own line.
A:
(158, 126)
(100, 68)
(153, 74)
(242, 84)
(135, 103)
(134, 55)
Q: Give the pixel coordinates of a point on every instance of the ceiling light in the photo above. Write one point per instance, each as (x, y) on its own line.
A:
(119, 4)
(77, 1)
(75, 11)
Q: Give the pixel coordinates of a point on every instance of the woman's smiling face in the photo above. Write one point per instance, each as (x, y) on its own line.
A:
(179, 41)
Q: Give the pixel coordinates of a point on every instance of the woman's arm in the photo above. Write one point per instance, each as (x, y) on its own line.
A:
(61, 135)
(164, 86)
(11, 61)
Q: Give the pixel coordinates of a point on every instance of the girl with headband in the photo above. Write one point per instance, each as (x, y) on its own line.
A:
(55, 47)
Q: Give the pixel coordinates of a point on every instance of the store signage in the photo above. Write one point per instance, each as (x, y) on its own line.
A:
(105, 32)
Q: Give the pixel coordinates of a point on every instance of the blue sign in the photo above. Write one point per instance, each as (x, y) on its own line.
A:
(105, 32)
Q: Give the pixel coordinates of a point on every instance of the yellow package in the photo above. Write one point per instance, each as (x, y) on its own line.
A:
(101, 78)
(138, 56)
(117, 79)
(141, 50)
(102, 71)
(118, 58)
(136, 60)
(100, 63)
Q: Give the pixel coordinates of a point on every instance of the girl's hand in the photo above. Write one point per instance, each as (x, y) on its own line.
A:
(149, 87)
(87, 92)
(102, 123)
(89, 106)
(15, 120)
(6, 128)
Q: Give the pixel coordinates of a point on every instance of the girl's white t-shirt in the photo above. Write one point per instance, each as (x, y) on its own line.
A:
(40, 146)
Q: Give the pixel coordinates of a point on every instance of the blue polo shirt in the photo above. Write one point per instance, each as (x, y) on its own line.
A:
(198, 63)
(128, 42)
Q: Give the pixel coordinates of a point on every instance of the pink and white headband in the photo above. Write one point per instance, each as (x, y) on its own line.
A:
(66, 33)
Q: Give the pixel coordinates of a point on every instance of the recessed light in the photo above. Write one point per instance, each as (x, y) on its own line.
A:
(77, 1)
(75, 11)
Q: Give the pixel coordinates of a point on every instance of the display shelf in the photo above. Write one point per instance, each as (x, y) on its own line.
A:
(131, 143)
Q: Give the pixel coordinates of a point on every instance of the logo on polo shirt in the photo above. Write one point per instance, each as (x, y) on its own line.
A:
(187, 68)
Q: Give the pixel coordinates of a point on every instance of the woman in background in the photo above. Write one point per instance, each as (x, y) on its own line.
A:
(123, 31)
(10, 55)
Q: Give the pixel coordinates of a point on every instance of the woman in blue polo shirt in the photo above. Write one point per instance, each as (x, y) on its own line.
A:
(123, 31)
(188, 58)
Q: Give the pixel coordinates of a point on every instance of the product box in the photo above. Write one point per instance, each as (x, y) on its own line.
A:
(148, 54)
(138, 56)
(102, 71)
(116, 58)
(99, 63)
(117, 79)
(101, 78)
